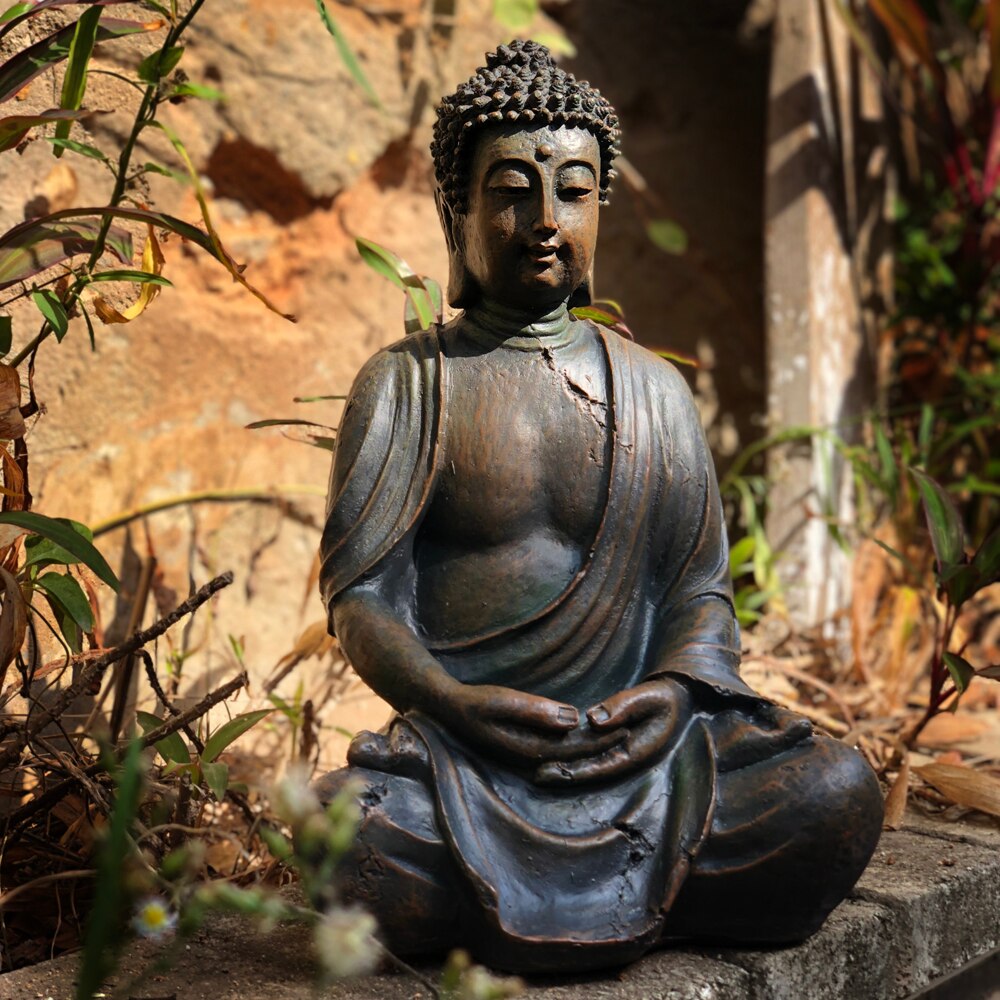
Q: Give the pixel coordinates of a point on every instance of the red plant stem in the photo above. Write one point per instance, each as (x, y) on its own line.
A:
(939, 674)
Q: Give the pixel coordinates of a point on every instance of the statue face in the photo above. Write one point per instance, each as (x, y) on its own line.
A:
(531, 227)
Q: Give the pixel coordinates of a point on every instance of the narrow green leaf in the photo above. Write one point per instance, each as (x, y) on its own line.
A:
(91, 152)
(6, 334)
(991, 673)
(887, 461)
(217, 778)
(515, 15)
(159, 64)
(40, 552)
(16, 11)
(103, 935)
(230, 731)
(198, 91)
(291, 422)
(17, 72)
(171, 748)
(139, 277)
(739, 555)
(69, 594)
(418, 310)
(74, 86)
(925, 431)
(667, 235)
(600, 316)
(679, 358)
(943, 521)
(422, 306)
(65, 534)
(19, 247)
(90, 325)
(51, 307)
(323, 443)
(960, 669)
(959, 583)
(314, 399)
(389, 265)
(987, 559)
(347, 56)
(175, 175)
(210, 240)
(275, 842)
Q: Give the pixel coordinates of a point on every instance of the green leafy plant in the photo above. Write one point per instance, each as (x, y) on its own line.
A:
(958, 578)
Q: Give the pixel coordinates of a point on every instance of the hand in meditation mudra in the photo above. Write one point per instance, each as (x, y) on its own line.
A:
(525, 556)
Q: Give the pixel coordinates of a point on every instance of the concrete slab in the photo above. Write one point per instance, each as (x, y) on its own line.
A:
(928, 906)
(849, 959)
(944, 897)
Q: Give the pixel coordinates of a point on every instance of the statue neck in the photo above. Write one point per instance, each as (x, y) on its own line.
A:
(495, 325)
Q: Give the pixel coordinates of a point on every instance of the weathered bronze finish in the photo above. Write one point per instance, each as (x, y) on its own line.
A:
(525, 556)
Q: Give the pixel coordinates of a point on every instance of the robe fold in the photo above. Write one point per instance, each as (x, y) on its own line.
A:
(590, 865)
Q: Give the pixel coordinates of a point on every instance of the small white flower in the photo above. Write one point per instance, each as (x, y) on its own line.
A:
(293, 798)
(345, 940)
(153, 918)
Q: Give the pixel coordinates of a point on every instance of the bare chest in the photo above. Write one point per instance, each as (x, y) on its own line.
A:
(526, 447)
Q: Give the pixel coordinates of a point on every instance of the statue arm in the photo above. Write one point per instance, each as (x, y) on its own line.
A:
(697, 637)
(512, 726)
(381, 480)
(695, 647)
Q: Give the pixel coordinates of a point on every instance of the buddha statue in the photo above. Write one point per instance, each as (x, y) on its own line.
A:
(525, 556)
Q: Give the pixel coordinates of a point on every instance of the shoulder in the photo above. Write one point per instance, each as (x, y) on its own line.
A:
(386, 370)
(656, 372)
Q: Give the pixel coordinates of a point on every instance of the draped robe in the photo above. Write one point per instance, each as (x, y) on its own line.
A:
(585, 866)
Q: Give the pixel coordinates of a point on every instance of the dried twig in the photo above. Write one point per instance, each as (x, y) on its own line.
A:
(54, 794)
(169, 706)
(8, 896)
(93, 667)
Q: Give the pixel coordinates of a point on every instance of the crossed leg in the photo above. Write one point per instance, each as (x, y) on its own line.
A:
(789, 838)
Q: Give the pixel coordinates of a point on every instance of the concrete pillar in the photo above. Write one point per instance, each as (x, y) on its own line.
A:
(824, 205)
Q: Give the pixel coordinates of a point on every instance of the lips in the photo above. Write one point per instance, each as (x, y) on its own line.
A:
(543, 253)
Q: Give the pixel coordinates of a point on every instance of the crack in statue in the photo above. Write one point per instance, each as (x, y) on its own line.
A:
(575, 773)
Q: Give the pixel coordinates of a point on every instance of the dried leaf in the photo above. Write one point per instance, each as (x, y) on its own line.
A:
(13, 622)
(37, 244)
(947, 729)
(964, 786)
(314, 640)
(11, 421)
(895, 801)
(152, 263)
(14, 128)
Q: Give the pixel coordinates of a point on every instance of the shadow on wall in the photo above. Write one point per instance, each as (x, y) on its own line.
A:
(690, 84)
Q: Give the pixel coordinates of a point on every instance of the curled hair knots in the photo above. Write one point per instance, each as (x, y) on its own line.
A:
(520, 82)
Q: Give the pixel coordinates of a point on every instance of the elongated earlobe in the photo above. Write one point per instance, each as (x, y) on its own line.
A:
(462, 288)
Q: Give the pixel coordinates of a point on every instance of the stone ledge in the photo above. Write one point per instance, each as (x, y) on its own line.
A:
(927, 907)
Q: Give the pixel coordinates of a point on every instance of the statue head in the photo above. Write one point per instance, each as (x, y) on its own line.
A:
(520, 139)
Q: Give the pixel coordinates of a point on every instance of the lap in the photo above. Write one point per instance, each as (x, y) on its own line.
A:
(789, 837)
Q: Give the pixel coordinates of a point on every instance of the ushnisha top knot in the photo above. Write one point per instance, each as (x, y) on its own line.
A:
(519, 83)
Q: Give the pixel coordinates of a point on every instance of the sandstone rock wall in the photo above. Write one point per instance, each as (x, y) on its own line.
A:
(298, 163)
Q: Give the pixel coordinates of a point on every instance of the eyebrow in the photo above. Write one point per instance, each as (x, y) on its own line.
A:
(521, 164)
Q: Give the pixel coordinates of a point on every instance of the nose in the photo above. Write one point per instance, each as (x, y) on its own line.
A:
(545, 216)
